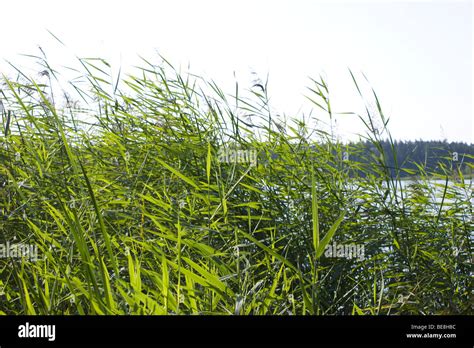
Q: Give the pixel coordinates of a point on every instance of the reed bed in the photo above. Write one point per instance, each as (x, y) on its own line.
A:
(157, 193)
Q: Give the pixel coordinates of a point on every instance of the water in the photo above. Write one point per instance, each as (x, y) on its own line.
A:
(454, 191)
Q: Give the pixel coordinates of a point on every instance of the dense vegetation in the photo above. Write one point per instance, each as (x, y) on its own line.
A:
(134, 210)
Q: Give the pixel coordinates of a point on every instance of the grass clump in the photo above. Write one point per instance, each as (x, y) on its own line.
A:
(145, 200)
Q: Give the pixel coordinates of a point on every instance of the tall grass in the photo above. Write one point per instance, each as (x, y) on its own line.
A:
(133, 212)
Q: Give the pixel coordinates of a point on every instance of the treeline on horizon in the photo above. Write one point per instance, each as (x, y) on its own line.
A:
(404, 159)
(407, 158)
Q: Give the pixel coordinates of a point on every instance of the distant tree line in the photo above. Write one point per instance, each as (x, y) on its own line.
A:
(405, 158)
(433, 156)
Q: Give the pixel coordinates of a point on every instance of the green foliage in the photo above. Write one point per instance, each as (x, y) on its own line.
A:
(134, 212)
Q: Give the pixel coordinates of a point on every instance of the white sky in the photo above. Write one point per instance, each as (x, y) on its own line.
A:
(416, 55)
